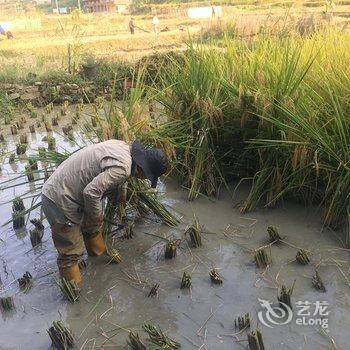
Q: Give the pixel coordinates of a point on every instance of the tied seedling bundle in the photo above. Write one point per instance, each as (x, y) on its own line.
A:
(61, 336)
(69, 289)
(158, 337)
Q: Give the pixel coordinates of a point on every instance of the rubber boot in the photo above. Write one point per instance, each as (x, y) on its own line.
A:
(95, 246)
(71, 273)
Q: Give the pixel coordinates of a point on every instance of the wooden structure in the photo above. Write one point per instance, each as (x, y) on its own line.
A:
(119, 6)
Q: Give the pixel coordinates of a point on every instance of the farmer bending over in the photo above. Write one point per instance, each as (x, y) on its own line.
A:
(72, 196)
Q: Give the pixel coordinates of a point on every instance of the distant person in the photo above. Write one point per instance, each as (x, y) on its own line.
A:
(132, 26)
(155, 23)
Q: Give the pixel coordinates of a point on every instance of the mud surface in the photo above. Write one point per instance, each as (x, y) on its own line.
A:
(115, 297)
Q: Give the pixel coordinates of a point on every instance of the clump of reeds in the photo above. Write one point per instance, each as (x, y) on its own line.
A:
(14, 130)
(318, 283)
(114, 255)
(285, 295)
(29, 172)
(186, 281)
(51, 143)
(215, 277)
(21, 148)
(18, 210)
(255, 340)
(32, 129)
(12, 158)
(262, 256)
(194, 233)
(170, 249)
(242, 322)
(135, 342)
(2, 138)
(23, 138)
(69, 289)
(128, 231)
(7, 303)
(274, 235)
(302, 257)
(25, 282)
(61, 336)
(36, 236)
(154, 290)
(158, 337)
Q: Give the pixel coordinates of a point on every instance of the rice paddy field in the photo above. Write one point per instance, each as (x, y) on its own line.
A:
(245, 245)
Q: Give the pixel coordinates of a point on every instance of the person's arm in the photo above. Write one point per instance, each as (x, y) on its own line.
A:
(108, 180)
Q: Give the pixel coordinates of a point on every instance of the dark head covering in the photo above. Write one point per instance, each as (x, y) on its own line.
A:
(152, 161)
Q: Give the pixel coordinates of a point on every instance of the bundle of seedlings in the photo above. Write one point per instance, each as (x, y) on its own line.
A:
(20, 124)
(242, 322)
(38, 224)
(255, 340)
(51, 143)
(171, 249)
(318, 283)
(262, 256)
(7, 304)
(29, 172)
(61, 336)
(23, 138)
(21, 148)
(215, 277)
(14, 130)
(48, 126)
(25, 282)
(18, 210)
(33, 163)
(12, 158)
(114, 255)
(135, 342)
(54, 121)
(302, 257)
(64, 108)
(154, 290)
(194, 233)
(32, 110)
(285, 295)
(36, 236)
(158, 337)
(69, 289)
(274, 236)
(32, 129)
(49, 107)
(67, 129)
(186, 281)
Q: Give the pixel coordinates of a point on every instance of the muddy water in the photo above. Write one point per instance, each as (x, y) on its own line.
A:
(114, 297)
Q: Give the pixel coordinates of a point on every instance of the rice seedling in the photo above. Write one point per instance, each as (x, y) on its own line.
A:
(154, 290)
(32, 110)
(38, 224)
(274, 235)
(67, 129)
(7, 304)
(318, 283)
(135, 342)
(114, 255)
(128, 231)
(12, 158)
(33, 163)
(20, 125)
(25, 282)
(2, 138)
(284, 297)
(51, 143)
(38, 124)
(194, 233)
(69, 289)
(215, 277)
(48, 126)
(263, 257)
(242, 322)
(64, 108)
(32, 129)
(302, 257)
(18, 209)
(23, 139)
(61, 336)
(93, 122)
(29, 172)
(49, 107)
(21, 148)
(14, 130)
(36, 236)
(171, 249)
(18, 205)
(186, 281)
(158, 337)
(255, 340)
(54, 121)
